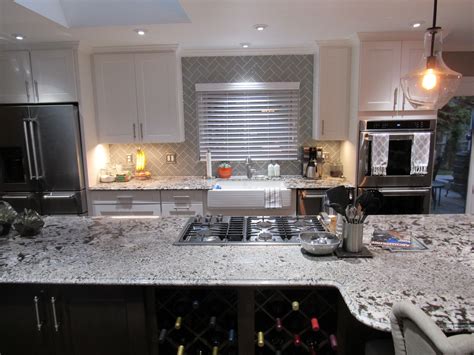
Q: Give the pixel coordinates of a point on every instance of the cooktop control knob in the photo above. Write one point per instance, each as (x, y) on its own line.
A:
(197, 218)
(219, 218)
(208, 218)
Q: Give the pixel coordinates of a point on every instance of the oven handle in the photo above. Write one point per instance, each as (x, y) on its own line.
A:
(402, 191)
(305, 195)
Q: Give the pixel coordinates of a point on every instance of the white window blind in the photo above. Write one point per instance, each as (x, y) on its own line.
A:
(237, 120)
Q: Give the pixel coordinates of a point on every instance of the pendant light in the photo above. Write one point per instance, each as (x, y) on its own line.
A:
(432, 84)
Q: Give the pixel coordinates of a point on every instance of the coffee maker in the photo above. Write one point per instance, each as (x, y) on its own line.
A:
(312, 162)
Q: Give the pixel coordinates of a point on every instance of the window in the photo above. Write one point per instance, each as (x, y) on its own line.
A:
(237, 120)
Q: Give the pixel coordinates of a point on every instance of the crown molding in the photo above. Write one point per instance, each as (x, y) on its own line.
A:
(247, 51)
(144, 48)
(40, 45)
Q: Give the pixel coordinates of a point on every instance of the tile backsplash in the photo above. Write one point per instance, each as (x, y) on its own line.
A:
(195, 70)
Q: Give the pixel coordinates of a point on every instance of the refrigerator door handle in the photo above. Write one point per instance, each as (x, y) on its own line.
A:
(52, 197)
(27, 141)
(35, 155)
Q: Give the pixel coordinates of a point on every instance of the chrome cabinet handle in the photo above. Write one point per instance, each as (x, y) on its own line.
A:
(182, 208)
(141, 129)
(33, 144)
(52, 197)
(37, 92)
(39, 324)
(395, 98)
(27, 85)
(322, 127)
(55, 318)
(134, 132)
(27, 141)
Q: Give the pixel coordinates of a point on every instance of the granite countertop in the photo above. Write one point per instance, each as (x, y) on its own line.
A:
(202, 183)
(139, 251)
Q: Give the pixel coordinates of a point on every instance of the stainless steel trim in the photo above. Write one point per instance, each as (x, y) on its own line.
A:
(52, 197)
(25, 129)
(27, 85)
(33, 144)
(37, 92)
(55, 318)
(395, 98)
(403, 191)
(39, 324)
(309, 195)
(134, 132)
(15, 197)
(141, 129)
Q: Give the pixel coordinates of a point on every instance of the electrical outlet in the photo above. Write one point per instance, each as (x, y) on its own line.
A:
(171, 158)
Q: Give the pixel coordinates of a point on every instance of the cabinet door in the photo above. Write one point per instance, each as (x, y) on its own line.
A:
(15, 78)
(332, 93)
(157, 92)
(412, 53)
(24, 329)
(116, 98)
(54, 75)
(103, 320)
(379, 76)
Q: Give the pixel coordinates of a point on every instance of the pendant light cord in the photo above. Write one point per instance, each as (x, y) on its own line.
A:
(433, 31)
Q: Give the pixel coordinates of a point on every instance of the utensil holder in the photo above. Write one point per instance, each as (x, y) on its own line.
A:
(352, 235)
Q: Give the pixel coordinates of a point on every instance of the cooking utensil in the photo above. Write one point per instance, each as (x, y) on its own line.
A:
(339, 195)
(319, 243)
(339, 209)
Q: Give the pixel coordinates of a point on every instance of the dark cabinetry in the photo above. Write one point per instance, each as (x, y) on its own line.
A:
(71, 320)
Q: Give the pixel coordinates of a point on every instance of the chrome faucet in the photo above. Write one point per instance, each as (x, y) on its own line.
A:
(248, 165)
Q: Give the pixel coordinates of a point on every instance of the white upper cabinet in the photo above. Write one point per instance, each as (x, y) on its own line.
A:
(157, 93)
(16, 84)
(379, 75)
(332, 80)
(37, 76)
(116, 98)
(138, 98)
(54, 76)
(382, 64)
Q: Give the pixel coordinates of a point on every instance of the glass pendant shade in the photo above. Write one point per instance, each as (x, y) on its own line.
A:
(432, 84)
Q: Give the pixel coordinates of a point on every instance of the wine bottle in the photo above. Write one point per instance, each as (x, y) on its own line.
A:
(314, 324)
(196, 304)
(215, 347)
(312, 348)
(178, 323)
(162, 337)
(278, 325)
(296, 340)
(212, 322)
(295, 306)
(260, 340)
(231, 337)
(333, 342)
(180, 350)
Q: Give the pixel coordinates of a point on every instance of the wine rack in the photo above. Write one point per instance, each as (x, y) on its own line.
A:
(295, 321)
(196, 321)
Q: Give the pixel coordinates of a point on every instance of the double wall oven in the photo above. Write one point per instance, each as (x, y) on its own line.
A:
(403, 192)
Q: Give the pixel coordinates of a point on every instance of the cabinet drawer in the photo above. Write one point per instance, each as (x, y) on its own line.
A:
(168, 209)
(124, 197)
(126, 210)
(182, 196)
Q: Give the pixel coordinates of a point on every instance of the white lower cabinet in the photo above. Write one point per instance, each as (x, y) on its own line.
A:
(125, 203)
(182, 202)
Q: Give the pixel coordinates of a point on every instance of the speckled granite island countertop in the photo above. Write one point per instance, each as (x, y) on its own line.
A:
(201, 183)
(110, 251)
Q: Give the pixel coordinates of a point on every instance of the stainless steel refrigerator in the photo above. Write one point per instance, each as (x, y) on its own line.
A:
(41, 164)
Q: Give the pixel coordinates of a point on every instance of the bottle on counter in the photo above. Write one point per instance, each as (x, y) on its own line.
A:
(276, 168)
(271, 169)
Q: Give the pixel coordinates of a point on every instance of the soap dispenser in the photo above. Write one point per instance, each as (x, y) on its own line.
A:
(276, 168)
(271, 169)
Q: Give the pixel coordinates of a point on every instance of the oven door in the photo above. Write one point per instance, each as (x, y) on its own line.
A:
(405, 200)
(399, 162)
(311, 202)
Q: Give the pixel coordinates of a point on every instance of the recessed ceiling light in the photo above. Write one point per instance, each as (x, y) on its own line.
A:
(141, 32)
(417, 24)
(245, 45)
(260, 27)
(18, 36)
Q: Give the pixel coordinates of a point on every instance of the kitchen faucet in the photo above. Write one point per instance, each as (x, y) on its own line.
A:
(248, 165)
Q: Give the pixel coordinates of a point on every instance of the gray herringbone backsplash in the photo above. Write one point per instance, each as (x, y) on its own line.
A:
(195, 70)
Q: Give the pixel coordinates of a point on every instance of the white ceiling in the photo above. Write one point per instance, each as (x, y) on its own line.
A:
(224, 24)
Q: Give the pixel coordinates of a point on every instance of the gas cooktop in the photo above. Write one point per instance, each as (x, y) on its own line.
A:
(261, 230)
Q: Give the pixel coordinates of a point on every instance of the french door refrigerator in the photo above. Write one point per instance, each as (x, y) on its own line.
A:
(41, 163)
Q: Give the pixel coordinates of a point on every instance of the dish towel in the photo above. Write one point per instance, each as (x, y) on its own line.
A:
(420, 153)
(379, 161)
(273, 197)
